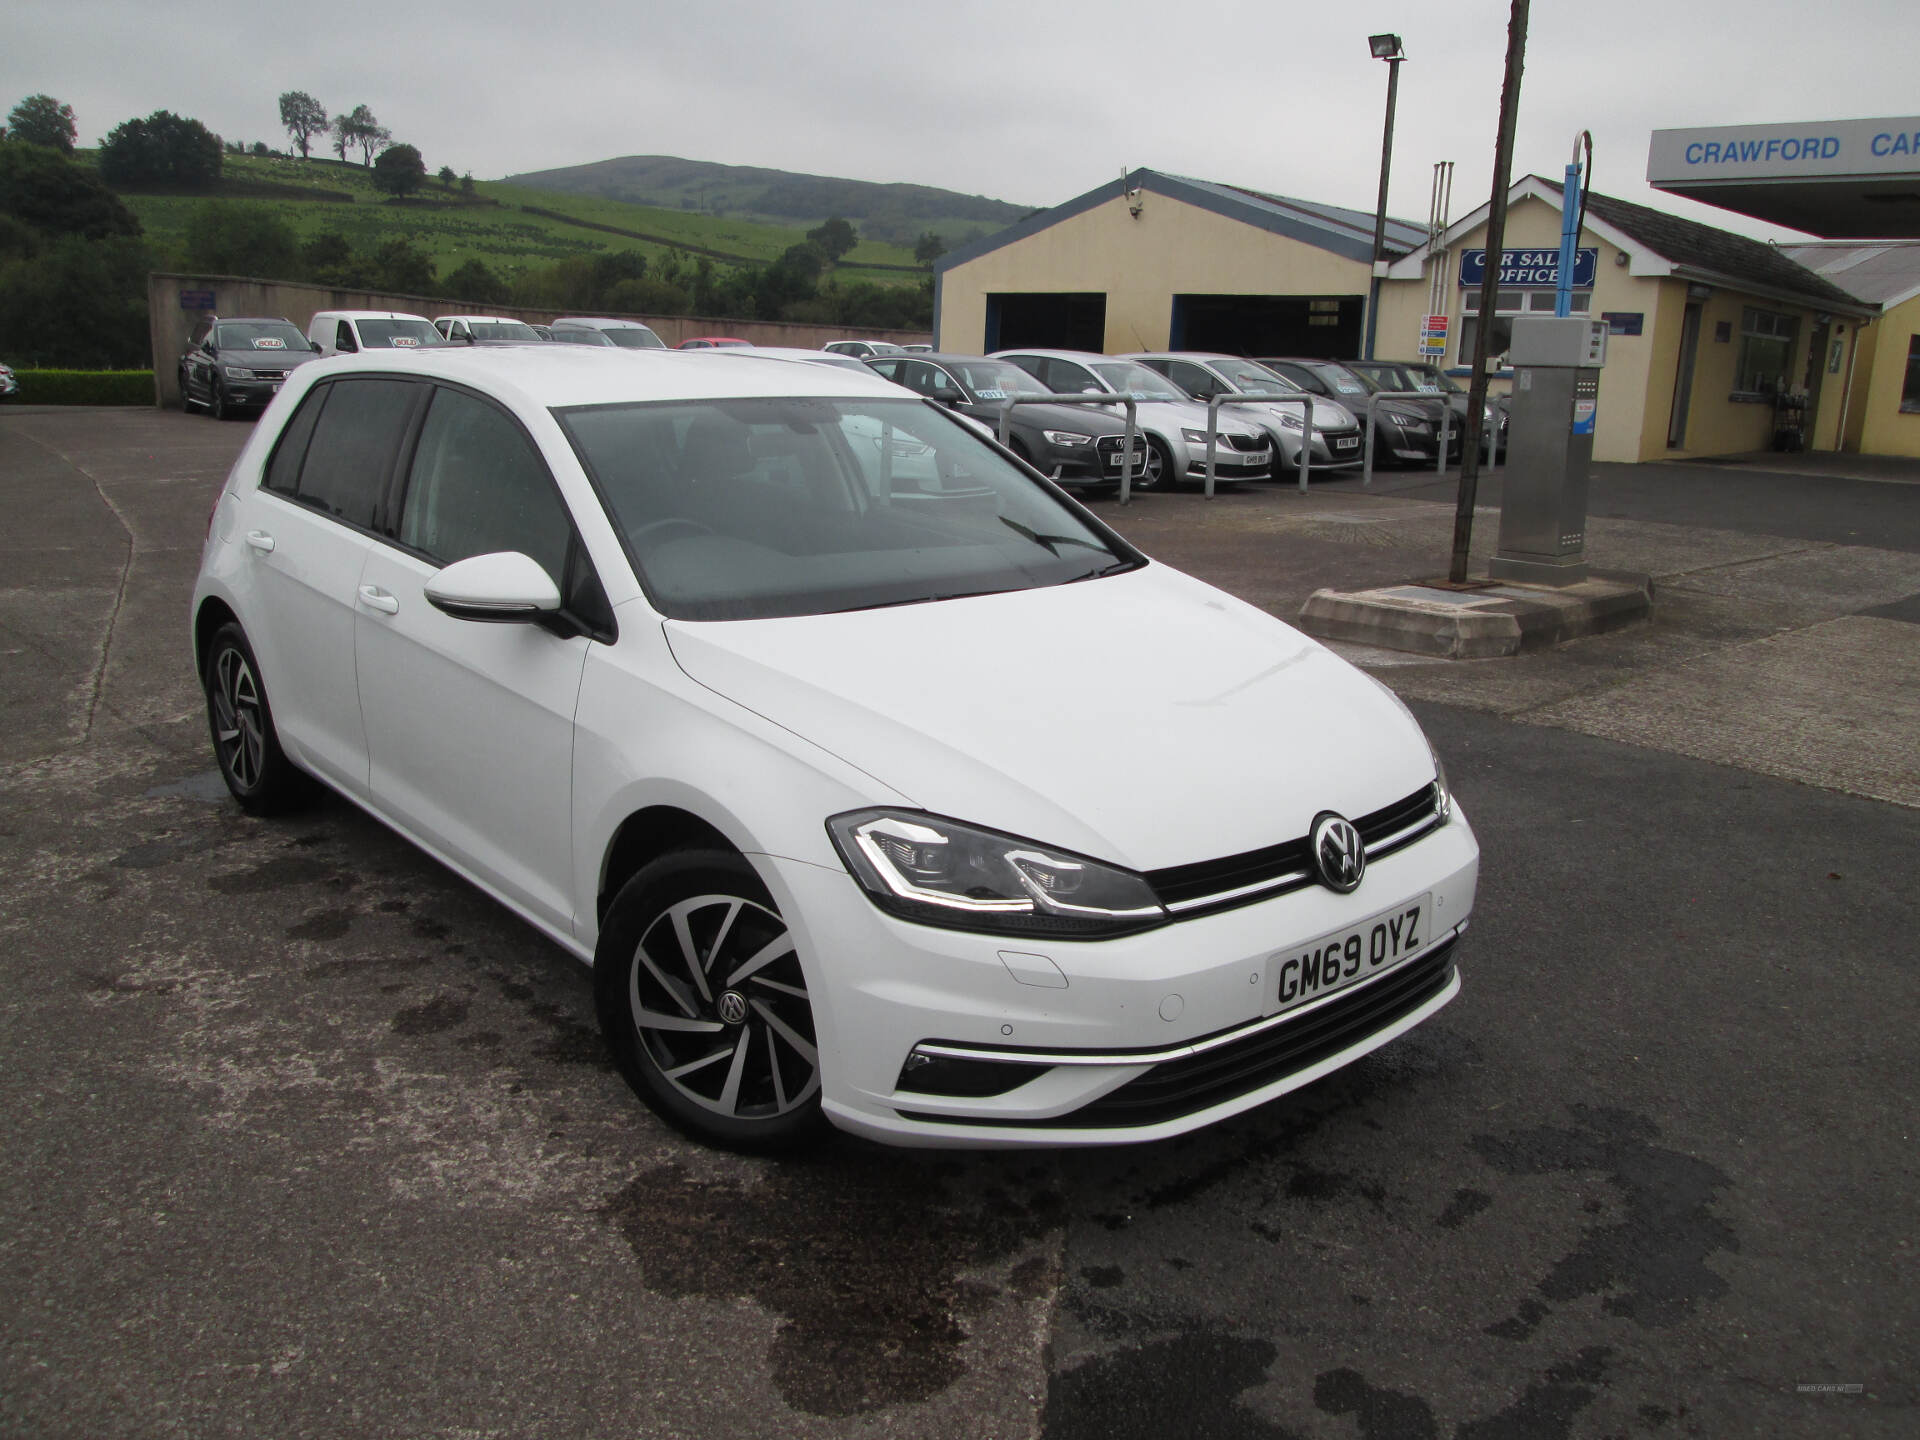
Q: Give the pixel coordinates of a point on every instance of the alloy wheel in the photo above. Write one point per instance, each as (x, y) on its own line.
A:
(720, 1005)
(238, 727)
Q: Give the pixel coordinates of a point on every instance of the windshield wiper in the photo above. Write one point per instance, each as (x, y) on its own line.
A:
(920, 600)
(1104, 570)
(1050, 543)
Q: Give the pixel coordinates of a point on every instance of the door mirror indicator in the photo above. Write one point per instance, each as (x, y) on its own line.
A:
(504, 587)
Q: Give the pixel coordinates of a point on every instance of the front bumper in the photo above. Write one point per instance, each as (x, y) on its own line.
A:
(1145, 1022)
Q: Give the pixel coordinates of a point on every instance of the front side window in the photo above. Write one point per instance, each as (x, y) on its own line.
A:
(354, 444)
(1766, 351)
(747, 509)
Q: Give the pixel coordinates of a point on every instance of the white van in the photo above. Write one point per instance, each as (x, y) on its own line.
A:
(627, 334)
(344, 332)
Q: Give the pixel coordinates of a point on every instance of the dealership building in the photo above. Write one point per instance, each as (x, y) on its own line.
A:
(1707, 328)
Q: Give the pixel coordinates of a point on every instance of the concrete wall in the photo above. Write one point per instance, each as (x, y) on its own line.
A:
(1881, 428)
(170, 327)
(1172, 248)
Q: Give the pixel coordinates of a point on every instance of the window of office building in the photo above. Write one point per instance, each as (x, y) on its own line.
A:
(1910, 392)
(1766, 351)
(1507, 305)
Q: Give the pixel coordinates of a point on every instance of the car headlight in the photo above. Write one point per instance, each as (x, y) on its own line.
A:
(940, 872)
(1293, 422)
(1442, 791)
(237, 372)
(1194, 437)
(1065, 437)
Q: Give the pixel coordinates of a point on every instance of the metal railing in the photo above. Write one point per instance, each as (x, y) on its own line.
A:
(1126, 453)
(1306, 434)
(1491, 430)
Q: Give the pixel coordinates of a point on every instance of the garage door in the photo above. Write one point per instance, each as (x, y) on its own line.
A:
(1055, 321)
(1326, 326)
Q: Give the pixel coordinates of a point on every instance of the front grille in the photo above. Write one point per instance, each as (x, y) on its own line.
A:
(1254, 875)
(1177, 1088)
(1246, 442)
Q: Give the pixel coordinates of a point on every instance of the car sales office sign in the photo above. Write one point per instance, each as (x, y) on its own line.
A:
(1529, 268)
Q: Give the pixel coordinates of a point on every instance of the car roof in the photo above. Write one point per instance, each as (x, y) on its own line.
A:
(601, 322)
(487, 319)
(547, 376)
(1056, 354)
(368, 315)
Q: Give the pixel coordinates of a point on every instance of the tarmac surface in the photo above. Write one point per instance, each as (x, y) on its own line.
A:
(304, 1136)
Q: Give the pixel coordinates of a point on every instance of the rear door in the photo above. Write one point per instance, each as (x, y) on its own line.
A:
(307, 530)
(469, 724)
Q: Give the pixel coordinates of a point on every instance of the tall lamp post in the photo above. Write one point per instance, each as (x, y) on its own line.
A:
(1387, 48)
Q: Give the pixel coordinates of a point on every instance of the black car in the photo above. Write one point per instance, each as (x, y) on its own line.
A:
(1406, 431)
(1073, 444)
(1432, 380)
(239, 364)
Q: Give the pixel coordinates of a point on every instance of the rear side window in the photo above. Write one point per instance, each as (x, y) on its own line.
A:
(354, 443)
(283, 470)
(478, 486)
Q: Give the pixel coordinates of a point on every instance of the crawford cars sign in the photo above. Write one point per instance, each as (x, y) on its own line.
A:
(1769, 152)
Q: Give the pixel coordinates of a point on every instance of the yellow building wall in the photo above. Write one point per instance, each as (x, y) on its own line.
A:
(1172, 248)
(1883, 429)
(1867, 349)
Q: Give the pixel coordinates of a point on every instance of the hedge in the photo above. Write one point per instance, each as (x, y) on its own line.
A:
(84, 387)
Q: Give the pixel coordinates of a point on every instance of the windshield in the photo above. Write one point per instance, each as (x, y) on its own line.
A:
(1130, 375)
(583, 337)
(995, 379)
(502, 330)
(749, 509)
(1255, 379)
(259, 335)
(396, 334)
(1343, 381)
(634, 337)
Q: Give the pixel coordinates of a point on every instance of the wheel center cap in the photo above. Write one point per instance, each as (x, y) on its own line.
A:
(733, 1006)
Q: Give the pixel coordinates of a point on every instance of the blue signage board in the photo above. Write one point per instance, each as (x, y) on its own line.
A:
(196, 299)
(1530, 267)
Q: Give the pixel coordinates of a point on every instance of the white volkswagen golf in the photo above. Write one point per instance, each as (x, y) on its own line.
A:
(878, 781)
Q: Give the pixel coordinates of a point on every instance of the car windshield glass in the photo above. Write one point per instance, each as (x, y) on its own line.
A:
(1343, 381)
(1428, 377)
(634, 337)
(502, 330)
(584, 337)
(1144, 384)
(1255, 379)
(258, 335)
(748, 509)
(995, 379)
(838, 362)
(397, 334)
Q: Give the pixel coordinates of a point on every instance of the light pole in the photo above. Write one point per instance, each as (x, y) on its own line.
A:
(1387, 48)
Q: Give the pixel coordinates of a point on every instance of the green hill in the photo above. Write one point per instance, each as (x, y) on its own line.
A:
(507, 226)
(896, 213)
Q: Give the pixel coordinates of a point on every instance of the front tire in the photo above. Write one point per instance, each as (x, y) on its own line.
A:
(256, 769)
(1158, 471)
(218, 406)
(187, 402)
(703, 1001)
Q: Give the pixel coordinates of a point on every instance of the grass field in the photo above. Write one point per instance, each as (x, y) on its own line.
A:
(495, 227)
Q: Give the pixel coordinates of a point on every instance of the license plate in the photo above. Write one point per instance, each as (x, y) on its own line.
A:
(275, 387)
(1350, 442)
(1119, 458)
(1346, 956)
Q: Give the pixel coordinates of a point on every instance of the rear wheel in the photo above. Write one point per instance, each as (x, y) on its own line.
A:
(187, 402)
(702, 998)
(257, 771)
(1157, 472)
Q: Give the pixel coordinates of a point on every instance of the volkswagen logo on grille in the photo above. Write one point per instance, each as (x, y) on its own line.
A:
(733, 1007)
(1339, 858)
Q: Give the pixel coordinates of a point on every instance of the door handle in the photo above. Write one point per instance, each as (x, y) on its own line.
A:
(261, 541)
(374, 598)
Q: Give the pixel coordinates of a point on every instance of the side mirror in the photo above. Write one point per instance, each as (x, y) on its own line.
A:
(502, 588)
(947, 395)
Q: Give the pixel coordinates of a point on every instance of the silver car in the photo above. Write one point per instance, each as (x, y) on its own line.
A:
(1204, 374)
(1173, 422)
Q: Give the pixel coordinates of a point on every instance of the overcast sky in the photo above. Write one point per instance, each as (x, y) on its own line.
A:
(1032, 102)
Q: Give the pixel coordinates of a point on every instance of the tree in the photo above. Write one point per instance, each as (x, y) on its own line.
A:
(79, 303)
(303, 117)
(328, 258)
(929, 247)
(50, 194)
(163, 149)
(229, 239)
(43, 120)
(397, 266)
(399, 171)
(446, 177)
(466, 183)
(835, 238)
(359, 129)
(474, 281)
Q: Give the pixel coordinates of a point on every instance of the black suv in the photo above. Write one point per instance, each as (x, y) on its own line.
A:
(239, 364)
